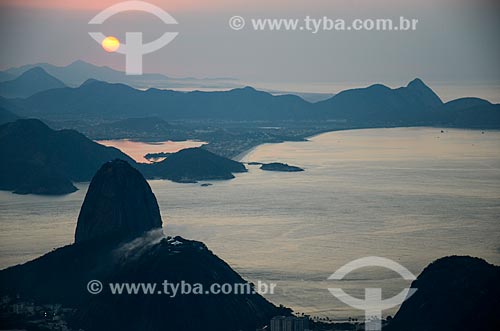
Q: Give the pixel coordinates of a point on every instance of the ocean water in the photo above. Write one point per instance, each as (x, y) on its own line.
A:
(409, 194)
(137, 150)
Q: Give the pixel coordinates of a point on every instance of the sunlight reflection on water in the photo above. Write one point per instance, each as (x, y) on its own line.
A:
(412, 195)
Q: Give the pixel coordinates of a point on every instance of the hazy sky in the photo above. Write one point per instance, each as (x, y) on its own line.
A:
(456, 40)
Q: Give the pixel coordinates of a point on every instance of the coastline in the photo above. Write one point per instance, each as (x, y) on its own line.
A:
(252, 184)
(240, 156)
(243, 154)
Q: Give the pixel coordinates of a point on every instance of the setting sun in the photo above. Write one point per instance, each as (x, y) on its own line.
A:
(110, 44)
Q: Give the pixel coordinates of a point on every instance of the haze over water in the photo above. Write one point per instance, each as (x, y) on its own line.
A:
(137, 150)
(409, 194)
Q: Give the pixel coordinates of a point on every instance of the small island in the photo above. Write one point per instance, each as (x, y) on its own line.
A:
(191, 165)
(276, 166)
(156, 157)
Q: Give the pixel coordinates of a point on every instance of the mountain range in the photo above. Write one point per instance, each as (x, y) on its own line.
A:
(375, 106)
(7, 116)
(79, 71)
(118, 236)
(28, 83)
(5, 76)
(39, 160)
(414, 103)
(104, 100)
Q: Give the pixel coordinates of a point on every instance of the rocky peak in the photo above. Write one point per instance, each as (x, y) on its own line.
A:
(417, 83)
(119, 203)
(423, 94)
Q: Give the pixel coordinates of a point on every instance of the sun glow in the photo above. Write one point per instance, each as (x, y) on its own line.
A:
(110, 44)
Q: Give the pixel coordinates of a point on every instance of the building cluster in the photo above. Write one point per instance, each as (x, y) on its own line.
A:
(289, 323)
(46, 317)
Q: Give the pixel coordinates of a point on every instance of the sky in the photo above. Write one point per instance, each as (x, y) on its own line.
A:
(456, 41)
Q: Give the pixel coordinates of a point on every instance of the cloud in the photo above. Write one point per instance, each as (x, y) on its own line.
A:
(135, 248)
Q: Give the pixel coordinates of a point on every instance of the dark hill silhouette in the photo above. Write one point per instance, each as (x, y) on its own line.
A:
(117, 198)
(464, 103)
(79, 71)
(381, 105)
(40, 160)
(282, 167)
(194, 164)
(457, 293)
(32, 178)
(91, 93)
(9, 105)
(7, 116)
(374, 106)
(421, 93)
(101, 99)
(4, 76)
(472, 113)
(150, 258)
(30, 82)
(35, 156)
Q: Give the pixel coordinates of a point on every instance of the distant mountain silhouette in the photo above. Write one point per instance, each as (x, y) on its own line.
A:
(195, 164)
(112, 207)
(457, 293)
(149, 258)
(374, 106)
(465, 103)
(37, 159)
(95, 98)
(30, 82)
(9, 105)
(5, 76)
(7, 116)
(40, 160)
(472, 113)
(79, 71)
(379, 104)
